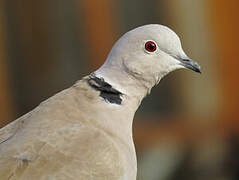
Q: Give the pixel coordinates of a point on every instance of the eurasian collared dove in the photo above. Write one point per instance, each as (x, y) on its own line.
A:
(85, 132)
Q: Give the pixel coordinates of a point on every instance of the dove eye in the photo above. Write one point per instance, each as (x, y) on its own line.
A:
(150, 46)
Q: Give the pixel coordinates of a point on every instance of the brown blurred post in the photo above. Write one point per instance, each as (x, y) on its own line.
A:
(5, 105)
(33, 36)
(225, 27)
(99, 29)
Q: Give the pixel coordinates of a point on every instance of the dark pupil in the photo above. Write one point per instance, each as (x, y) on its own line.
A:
(151, 46)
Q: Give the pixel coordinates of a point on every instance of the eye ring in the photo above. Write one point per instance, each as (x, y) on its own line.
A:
(150, 46)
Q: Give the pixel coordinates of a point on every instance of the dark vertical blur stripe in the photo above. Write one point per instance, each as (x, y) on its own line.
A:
(99, 28)
(5, 103)
(28, 50)
(225, 24)
(34, 35)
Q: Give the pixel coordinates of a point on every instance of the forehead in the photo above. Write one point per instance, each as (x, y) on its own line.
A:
(155, 31)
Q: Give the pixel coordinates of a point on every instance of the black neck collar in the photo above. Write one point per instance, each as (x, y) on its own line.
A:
(107, 92)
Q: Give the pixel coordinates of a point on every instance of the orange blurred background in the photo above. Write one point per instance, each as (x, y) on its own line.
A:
(187, 128)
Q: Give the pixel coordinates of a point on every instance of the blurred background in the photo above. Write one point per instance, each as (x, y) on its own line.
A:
(188, 128)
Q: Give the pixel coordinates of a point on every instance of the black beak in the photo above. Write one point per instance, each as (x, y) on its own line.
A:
(189, 64)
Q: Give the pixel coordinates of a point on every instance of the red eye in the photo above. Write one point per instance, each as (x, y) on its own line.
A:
(150, 46)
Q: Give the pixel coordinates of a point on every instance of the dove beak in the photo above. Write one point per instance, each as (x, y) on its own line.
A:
(189, 64)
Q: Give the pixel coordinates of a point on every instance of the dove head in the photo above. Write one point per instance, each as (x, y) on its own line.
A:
(143, 56)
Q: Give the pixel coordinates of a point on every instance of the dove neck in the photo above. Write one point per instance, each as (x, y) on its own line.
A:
(124, 82)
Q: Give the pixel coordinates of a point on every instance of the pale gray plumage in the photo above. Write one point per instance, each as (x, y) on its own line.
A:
(79, 134)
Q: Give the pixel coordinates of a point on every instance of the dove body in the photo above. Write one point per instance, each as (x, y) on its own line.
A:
(85, 131)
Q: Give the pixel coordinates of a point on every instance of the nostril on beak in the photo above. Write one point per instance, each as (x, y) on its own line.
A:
(185, 60)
